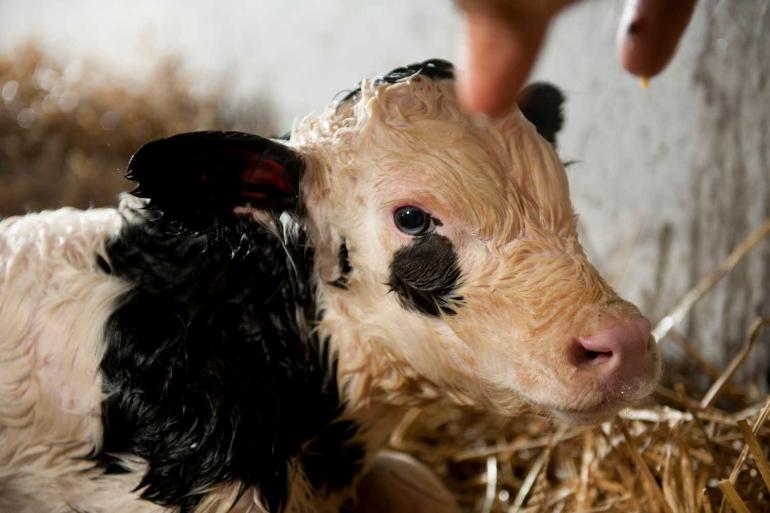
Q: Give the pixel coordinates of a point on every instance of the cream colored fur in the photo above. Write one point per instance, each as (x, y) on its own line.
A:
(502, 195)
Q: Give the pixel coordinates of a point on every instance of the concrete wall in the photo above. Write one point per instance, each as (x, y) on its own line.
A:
(673, 177)
(668, 179)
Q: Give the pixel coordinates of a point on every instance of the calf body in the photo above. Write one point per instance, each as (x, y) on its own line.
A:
(139, 357)
(248, 335)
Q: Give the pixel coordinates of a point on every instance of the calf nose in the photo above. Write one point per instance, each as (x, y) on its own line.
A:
(621, 351)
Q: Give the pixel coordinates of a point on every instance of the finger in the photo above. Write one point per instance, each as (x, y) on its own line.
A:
(498, 58)
(649, 32)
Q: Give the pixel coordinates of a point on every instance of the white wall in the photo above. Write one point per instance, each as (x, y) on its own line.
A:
(668, 179)
(301, 52)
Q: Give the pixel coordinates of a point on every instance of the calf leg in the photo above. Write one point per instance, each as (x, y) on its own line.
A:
(398, 483)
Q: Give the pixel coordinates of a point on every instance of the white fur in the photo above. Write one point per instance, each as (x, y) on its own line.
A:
(53, 308)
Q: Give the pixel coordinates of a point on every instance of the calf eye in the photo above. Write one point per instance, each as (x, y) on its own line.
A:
(413, 221)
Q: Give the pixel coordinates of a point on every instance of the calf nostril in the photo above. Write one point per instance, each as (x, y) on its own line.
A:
(593, 355)
(582, 356)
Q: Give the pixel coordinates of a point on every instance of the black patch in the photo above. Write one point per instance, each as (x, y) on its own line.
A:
(426, 274)
(198, 178)
(208, 374)
(434, 69)
(345, 268)
(541, 104)
(103, 265)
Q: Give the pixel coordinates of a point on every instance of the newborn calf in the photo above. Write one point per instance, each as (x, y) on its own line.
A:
(249, 332)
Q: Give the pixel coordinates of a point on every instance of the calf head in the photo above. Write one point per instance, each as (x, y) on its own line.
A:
(446, 250)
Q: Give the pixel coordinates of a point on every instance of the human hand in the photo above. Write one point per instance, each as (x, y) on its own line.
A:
(503, 39)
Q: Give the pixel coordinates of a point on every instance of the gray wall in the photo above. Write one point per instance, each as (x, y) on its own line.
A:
(668, 179)
(673, 177)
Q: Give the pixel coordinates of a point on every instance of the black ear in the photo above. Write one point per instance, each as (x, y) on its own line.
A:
(198, 177)
(541, 104)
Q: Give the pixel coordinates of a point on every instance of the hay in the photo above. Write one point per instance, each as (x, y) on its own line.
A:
(678, 454)
(67, 130)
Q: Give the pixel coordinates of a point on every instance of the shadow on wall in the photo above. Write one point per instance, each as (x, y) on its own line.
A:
(68, 130)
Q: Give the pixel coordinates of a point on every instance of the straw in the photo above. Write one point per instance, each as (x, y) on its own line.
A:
(680, 310)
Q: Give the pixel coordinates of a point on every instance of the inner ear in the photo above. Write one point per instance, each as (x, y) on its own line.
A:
(198, 177)
(541, 103)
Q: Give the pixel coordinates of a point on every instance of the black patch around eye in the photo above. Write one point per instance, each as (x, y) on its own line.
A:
(345, 267)
(426, 275)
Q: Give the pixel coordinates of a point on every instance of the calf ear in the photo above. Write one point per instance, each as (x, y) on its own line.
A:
(198, 177)
(541, 104)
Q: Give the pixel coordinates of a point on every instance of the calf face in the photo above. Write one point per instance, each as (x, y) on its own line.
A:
(445, 246)
(464, 256)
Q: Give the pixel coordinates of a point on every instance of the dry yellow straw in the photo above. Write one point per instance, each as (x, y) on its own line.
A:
(732, 496)
(761, 418)
(756, 451)
(704, 285)
(489, 496)
(716, 388)
(707, 502)
(529, 481)
(643, 468)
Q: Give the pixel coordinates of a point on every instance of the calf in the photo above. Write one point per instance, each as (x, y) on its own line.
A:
(246, 331)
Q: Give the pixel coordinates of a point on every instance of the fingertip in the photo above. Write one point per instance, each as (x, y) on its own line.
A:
(490, 92)
(649, 33)
(496, 61)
